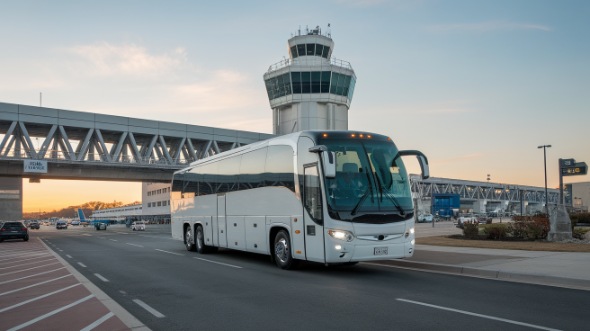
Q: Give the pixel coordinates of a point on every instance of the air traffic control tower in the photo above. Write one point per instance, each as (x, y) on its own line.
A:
(310, 90)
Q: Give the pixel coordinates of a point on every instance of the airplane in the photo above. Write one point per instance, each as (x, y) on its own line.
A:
(98, 224)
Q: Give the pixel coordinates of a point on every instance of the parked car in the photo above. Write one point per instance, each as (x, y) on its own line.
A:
(466, 219)
(34, 225)
(138, 226)
(75, 223)
(100, 226)
(13, 230)
(425, 218)
(61, 225)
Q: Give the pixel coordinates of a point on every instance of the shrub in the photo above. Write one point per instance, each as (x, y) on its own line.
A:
(580, 217)
(498, 231)
(471, 231)
(531, 227)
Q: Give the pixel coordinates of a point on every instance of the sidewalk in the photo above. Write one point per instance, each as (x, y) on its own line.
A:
(563, 269)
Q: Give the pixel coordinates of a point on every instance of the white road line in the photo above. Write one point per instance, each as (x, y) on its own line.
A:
(36, 284)
(82, 264)
(101, 278)
(38, 298)
(86, 234)
(98, 322)
(22, 264)
(43, 256)
(225, 264)
(49, 314)
(161, 250)
(113, 239)
(41, 273)
(69, 256)
(478, 315)
(136, 245)
(148, 308)
(23, 270)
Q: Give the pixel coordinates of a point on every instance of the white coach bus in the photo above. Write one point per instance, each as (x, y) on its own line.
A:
(335, 197)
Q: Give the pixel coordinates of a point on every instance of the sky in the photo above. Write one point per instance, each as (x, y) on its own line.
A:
(475, 85)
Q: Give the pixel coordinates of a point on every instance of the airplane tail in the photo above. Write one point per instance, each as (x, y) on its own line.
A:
(81, 215)
(83, 220)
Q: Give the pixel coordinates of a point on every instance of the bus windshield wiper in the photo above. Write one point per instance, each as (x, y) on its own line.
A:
(389, 195)
(365, 195)
(361, 200)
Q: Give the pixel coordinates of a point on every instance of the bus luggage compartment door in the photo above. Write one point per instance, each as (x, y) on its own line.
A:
(221, 220)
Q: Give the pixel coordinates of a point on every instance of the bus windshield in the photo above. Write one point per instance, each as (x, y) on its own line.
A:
(371, 183)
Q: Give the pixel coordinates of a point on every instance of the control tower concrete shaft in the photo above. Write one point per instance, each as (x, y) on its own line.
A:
(310, 90)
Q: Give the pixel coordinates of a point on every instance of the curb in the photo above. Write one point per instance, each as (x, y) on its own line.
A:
(570, 283)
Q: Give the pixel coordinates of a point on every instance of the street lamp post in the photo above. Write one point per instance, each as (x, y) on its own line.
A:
(544, 147)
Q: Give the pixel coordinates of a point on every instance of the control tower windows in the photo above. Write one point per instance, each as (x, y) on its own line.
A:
(310, 50)
(293, 52)
(301, 49)
(319, 48)
(325, 82)
(306, 82)
(326, 51)
(316, 81)
(278, 86)
(310, 82)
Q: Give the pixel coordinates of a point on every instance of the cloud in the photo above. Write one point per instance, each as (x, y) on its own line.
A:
(487, 27)
(105, 59)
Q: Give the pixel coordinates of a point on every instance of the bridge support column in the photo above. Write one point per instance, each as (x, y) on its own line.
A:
(11, 198)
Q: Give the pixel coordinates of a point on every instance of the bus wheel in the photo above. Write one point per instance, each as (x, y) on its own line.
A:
(188, 239)
(282, 251)
(200, 240)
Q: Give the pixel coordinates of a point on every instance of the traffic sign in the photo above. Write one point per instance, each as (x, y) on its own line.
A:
(579, 168)
(567, 162)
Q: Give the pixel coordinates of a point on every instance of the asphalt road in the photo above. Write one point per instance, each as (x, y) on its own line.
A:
(168, 288)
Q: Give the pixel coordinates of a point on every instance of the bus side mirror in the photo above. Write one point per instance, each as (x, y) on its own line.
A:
(422, 160)
(329, 162)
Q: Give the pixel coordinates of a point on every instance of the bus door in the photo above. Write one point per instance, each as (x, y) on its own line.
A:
(221, 220)
(313, 214)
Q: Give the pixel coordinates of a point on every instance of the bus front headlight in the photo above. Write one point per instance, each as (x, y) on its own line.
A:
(341, 235)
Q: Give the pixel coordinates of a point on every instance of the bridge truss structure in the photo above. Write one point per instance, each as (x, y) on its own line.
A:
(470, 191)
(72, 139)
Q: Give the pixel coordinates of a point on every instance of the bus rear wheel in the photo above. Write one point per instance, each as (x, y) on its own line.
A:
(282, 251)
(188, 239)
(202, 248)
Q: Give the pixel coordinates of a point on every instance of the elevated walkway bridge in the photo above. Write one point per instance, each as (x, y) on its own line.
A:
(486, 196)
(46, 143)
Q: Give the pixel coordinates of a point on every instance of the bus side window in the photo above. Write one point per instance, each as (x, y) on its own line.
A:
(312, 194)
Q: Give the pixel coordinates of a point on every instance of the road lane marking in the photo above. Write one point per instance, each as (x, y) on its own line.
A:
(21, 265)
(161, 250)
(101, 278)
(36, 284)
(51, 313)
(39, 274)
(225, 264)
(38, 298)
(478, 315)
(113, 239)
(39, 266)
(136, 245)
(148, 308)
(98, 322)
(69, 256)
(82, 264)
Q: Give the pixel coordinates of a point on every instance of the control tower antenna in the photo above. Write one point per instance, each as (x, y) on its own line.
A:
(310, 90)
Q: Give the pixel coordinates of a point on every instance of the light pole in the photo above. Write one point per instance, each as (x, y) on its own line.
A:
(544, 147)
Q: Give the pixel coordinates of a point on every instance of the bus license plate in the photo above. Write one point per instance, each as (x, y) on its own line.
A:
(380, 251)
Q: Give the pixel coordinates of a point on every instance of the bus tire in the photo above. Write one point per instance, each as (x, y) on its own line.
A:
(282, 251)
(200, 240)
(188, 239)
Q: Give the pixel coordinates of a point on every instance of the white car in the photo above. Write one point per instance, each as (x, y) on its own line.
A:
(425, 218)
(138, 226)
